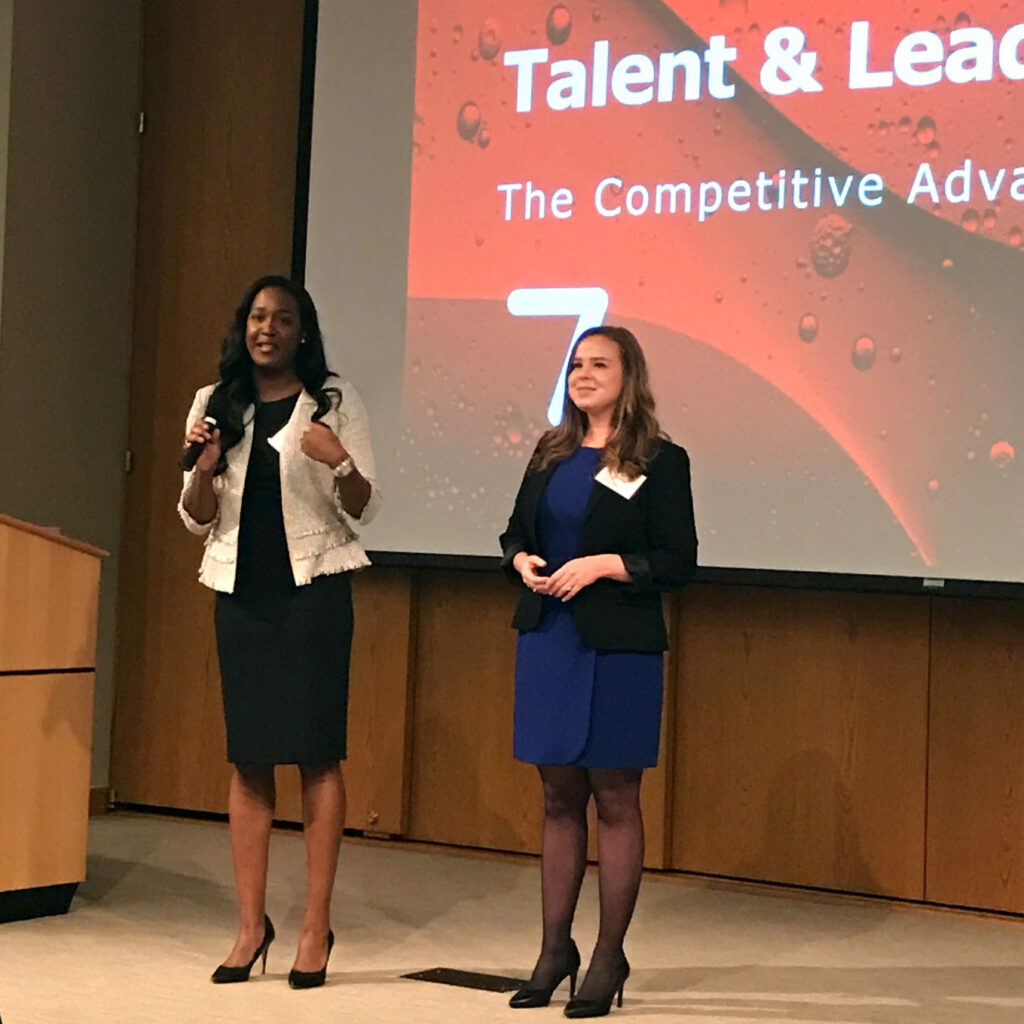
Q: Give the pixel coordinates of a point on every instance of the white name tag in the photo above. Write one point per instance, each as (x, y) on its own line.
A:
(619, 484)
(277, 441)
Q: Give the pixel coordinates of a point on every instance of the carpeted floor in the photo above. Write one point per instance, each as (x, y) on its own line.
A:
(157, 912)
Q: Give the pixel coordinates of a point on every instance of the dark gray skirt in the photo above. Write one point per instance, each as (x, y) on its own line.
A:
(284, 660)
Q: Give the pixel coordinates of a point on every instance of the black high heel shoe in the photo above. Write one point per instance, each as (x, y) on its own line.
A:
(312, 979)
(225, 975)
(577, 1008)
(528, 997)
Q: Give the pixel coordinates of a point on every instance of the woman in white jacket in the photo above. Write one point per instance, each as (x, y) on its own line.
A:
(282, 477)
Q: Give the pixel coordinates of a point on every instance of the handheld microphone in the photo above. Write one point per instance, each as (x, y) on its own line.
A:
(191, 454)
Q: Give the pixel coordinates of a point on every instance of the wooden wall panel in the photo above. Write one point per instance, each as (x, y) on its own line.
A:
(216, 191)
(801, 738)
(657, 789)
(466, 787)
(377, 772)
(44, 778)
(976, 755)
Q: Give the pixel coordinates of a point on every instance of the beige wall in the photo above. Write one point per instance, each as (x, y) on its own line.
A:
(68, 263)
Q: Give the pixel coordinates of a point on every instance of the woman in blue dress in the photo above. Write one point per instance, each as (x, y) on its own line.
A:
(602, 524)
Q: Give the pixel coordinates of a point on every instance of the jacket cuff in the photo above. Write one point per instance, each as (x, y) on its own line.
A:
(507, 557)
(370, 509)
(200, 529)
(639, 568)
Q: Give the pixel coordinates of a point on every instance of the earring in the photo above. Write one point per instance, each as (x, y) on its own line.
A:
(302, 340)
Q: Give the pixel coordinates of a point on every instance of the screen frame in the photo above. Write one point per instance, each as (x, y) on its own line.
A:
(732, 576)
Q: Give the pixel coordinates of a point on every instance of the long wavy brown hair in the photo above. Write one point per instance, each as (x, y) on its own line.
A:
(635, 429)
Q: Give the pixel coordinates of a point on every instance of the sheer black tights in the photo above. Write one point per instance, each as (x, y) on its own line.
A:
(620, 839)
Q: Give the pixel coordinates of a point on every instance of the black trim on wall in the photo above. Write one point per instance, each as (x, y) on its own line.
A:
(300, 219)
(76, 670)
(775, 578)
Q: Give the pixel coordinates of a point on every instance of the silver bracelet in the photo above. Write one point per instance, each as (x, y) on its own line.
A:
(343, 468)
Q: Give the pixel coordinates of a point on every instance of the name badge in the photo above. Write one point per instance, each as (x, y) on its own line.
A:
(618, 483)
(277, 441)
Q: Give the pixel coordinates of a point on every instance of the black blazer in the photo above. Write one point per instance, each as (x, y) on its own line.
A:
(654, 533)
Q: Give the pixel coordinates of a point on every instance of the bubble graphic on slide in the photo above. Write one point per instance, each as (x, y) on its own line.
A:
(933, 485)
(990, 218)
(896, 354)
(483, 139)
(808, 327)
(970, 220)
(1014, 237)
(831, 245)
(926, 129)
(963, 20)
(489, 44)
(515, 427)
(1002, 454)
(864, 352)
(469, 120)
(559, 24)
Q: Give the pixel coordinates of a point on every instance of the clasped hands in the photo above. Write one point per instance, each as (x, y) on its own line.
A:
(564, 583)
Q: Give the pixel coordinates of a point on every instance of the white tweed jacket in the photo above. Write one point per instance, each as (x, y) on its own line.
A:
(320, 534)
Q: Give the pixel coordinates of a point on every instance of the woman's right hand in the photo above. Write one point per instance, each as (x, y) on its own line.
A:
(527, 565)
(200, 431)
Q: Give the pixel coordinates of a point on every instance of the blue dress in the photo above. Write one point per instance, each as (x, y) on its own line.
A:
(575, 705)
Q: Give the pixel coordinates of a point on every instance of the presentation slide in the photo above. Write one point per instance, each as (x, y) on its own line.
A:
(811, 218)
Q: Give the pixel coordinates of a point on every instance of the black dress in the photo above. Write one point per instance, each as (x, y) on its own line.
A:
(283, 649)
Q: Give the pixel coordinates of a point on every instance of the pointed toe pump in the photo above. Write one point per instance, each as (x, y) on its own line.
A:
(600, 1007)
(529, 997)
(312, 979)
(225, 975)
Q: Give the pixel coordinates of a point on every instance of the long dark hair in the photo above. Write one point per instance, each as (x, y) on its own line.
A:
(236, 390)
(635, 429)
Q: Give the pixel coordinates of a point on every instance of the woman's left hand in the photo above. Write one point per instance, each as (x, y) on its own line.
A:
(321, 443)
(565, 583)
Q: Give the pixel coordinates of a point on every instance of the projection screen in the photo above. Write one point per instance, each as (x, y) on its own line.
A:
(811, 219)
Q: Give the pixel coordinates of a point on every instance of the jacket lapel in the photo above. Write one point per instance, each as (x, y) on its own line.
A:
(598, 494)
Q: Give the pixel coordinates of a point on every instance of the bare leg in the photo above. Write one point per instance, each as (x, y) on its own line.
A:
(323, 818)
(620, 840)
(250, 814)
(563, 862)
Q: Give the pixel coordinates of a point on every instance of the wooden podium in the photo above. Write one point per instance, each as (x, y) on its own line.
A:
(49, 592)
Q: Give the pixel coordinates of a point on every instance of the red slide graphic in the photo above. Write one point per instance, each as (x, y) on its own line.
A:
(811, 221)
